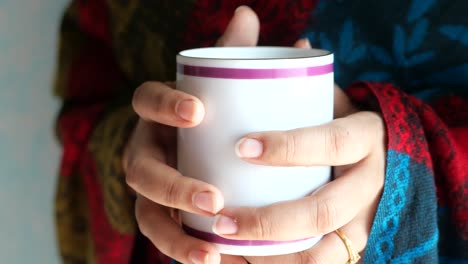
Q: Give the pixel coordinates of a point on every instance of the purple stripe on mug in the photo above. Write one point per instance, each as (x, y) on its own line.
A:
(221, 240)
(236, 73)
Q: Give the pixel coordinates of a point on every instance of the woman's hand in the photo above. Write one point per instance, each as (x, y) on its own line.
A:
(150, 158)
(355, 144)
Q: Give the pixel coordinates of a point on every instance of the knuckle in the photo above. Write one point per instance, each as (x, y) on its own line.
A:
(262, 229)
(147, 99)
(138, 95)
(326, 216)
(290, 142)
(171, 193)
(335, 138)
(134, 170)
(158, 99)
(307, 257)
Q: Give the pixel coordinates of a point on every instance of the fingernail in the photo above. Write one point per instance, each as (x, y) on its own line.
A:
(224, 225)
(189, 110)
(249, 148)
(199, 257)
(207, 201)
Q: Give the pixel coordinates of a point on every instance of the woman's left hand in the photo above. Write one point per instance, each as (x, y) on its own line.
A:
(354, 144)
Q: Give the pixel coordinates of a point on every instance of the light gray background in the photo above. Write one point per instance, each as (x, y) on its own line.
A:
(29, 153)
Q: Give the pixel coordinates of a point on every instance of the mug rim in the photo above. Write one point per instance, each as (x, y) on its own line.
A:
(313, 53)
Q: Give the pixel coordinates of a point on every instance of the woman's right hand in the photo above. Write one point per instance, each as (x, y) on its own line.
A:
(150, 160)
(149, 163)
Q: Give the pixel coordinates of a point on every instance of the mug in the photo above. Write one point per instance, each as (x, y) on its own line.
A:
(245, 90)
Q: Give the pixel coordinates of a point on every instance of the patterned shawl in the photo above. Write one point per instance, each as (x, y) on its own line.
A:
(405, 59)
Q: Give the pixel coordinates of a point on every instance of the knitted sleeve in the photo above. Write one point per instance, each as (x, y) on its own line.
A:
(107, 49)
(423, 214)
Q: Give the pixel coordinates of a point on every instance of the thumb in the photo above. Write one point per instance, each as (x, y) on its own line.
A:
(342, 105)
(242, 30)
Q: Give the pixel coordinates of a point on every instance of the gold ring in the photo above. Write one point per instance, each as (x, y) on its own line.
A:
(354, 256)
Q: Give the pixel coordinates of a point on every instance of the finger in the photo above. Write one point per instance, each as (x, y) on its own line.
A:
(329, 250)
(303, 44)
(149, 138)
(332, 250)
(342, 141)
(327, 209)
(164, 185)
(160, 103)
(169, 238)
(242, 30)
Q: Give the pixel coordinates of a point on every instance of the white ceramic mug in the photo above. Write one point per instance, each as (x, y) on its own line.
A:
(245, 90)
